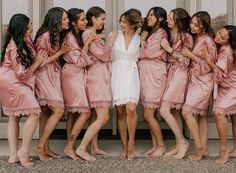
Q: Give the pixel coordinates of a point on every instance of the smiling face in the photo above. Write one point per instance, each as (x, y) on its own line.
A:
(99, 22)
(81, 23)
(222, 37)
(195, 27)
(124, 25)
(64, 21)
(30, 29)
(151, 19)
(170, 21)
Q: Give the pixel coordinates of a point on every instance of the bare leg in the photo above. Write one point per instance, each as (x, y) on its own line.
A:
(95, 150)
(177, 114)
(182, 143)
(233, 152)
(222, 128)
(78, 126)
(42, 122)
(148, 152)
(70, 121)
(51, 124)
(203, 127)
(156, 131)
(131, 126)
(92, 130)
(194, 130)
(28, 131)
(122, 127)
(13, 137)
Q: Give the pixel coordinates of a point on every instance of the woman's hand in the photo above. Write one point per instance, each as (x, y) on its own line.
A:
(91, 38)
(40, 57)
(207, 56)
(65, 48)
(186, 52)
(112, 37)
(143, 36)
(165, 45)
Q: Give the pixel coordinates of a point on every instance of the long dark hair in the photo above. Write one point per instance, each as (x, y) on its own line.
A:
(158, 12)
(17, 28)
(204, 21)
(52, 22)
(182, 21)
(74, 16)
(232, 38)
(94, 12)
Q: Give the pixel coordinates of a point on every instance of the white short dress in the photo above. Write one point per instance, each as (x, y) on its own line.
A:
(125, 83)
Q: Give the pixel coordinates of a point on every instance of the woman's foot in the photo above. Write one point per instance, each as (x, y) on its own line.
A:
(158, 152)
(183, 148)
(52, 154)
(223, 158)
(98, 151)
(131, 151)
(197, 155)
(41, 153)
(172, 152)
(24, 158)
(232, 153)
(71, 153)
(123, 154)
(205, 152)
(13, 159)
(148, 152)
(85, 155)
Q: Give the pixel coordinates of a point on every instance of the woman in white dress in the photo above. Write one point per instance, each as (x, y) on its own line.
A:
(125, 82)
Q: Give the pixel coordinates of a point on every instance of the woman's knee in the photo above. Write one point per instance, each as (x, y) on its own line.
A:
(131, 109)
(219, 117)
(164, 111)
(185, 114)
(120, 112)
(59, 112)
(103, 120)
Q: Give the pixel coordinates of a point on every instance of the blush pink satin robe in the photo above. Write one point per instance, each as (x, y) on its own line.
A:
(17, 85)
(201, 77)
(98, 78)
(225, 86)
(48, 76)
(74, 77)
(152, 70)
(177, 80)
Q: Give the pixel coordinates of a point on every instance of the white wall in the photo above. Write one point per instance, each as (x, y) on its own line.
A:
(214, 8)
(83, 4)
(10, 7)
(145, 5)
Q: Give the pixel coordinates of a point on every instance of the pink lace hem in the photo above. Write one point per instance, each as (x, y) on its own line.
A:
(225, 111)
(193, 110)
(53, 103)
(172, 105)
(124, 101)
(21, 112)
(78, 109)
(100, 104)
(151, 105)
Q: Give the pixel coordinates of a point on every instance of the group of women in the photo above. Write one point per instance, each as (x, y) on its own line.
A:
(171, 64)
